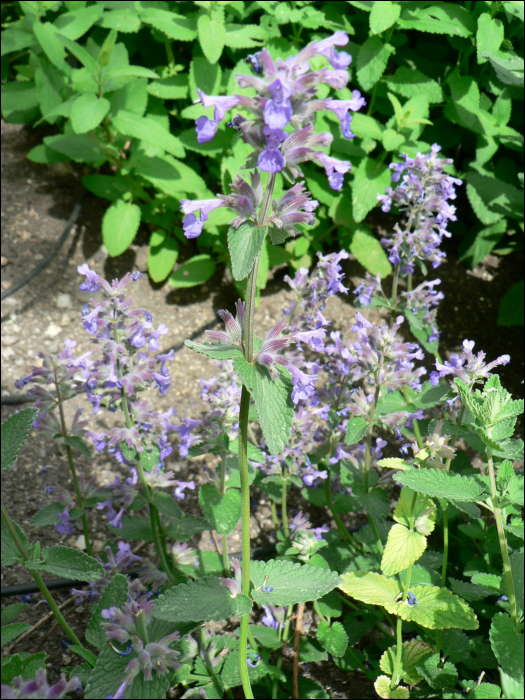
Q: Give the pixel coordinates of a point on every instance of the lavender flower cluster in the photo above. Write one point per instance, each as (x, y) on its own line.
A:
(285, 99)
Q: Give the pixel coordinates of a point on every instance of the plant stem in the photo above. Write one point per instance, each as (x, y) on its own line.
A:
(501, 536)
(222, 489)
(395, 281)
(273, 510)
(39, 581)
(345, 535)
(286, 529)
(80, 499)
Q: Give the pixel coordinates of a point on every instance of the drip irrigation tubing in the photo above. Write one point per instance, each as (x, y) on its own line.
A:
(45, 262)
(61, 583)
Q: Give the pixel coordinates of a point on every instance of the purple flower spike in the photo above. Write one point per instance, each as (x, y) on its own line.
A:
(278, 110)
(207, 128)
(191, 225)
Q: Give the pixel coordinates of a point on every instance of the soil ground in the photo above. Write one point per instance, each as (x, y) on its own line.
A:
(37, 201)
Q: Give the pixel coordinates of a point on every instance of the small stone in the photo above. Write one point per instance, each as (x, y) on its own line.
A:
(8, 353)
(80, 542)
(66, 659)
(6, 284)
(52, 330)
(97, 546)
(3, 261)
(63, 301)
(9, 340)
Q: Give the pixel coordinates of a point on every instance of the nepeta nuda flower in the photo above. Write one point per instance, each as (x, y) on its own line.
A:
(39, 687)
(423, 195)
(183, 554)
(424, 300)
(469, 367)
(234, 585)
(280, 128)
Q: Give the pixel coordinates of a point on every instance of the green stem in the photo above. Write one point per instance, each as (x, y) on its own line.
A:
(275, 519)
(395, 281)
(80, 499)
(501, 536)
(222, 489)
(39, 581)
(169, 52)
(286, 530)
(345, 535)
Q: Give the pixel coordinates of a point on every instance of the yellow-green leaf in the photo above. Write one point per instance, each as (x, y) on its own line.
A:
(403, 548)
(413, 652)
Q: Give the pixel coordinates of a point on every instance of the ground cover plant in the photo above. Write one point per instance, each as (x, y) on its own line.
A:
(437, 583)
(114, 83)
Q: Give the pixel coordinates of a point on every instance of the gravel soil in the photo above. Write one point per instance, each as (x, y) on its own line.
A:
(37, 201)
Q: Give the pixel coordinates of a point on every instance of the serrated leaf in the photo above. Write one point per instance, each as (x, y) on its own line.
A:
(47, 36)
(382, 687)
(119, 226)
(162, 255)
(403, 548)
(370, 179)
(9, 551)
(441, 484)
(370, 253)
(488, 581)
(148, 130)
(11, 632)
(356, 429)
(23, 664)
(371, 61)
(223, 512)
(85, 654)
(239, 36)
(244, 244)
(469, 591)
(47, 515)
(456, 645)
(492, 199)
(175, 87)
(383, 16)
(110, 672)
(332, 637)
(272, 398)
(231, 674)
(411, 83)
(436, 608)
(87, 112)
(437, 676)
(395, 463)
(14, 433)
(174, 26)
(439, 18)
(212, 36)
(291, 582)
(424, 511)
(413, 652)
(115, 594)
(215, 351)
(11, 611)
(69, 562)
(200, 601)
(195, 271)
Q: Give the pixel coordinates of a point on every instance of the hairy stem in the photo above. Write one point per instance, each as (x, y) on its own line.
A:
(39, 581)
(501, 536)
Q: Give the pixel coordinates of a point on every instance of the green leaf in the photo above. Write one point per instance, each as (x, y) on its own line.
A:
(174, 87)
(148, 130)
(110, 187)
(162, 255)
(333, 637)
(493, 199)
(14, 433)
(424, 512)
(22, 664)
(412, 83)
(254, 453)
(511, 688)
(489, 36)
(223, 512)
(46, 35)
(403, 548)
(11, 611)
(44, 154)
(76, 23)
(272, 398)
(215, 351)
(383, 16)
(356, 430)
(439, 18)
(212, 36)
(196, 270)
(456, 645)
(11, 632)
(383, 689)
(115, 594)
(436, 608)
(230, 673)
(78, 147)
(371, 62)
(392, 140)
(239, 36)
(125, 20)
(110, 672)
(291, 582)
(87, 112)
(511, 306)
(413, 652)
(47, 515)
(174, 26)
(470, 591)
(200, 601)
(119, 226)
(488, 581)
(85, 654)
(370, 179)
(9, 551)
(369, 252)
(69, 562)
(441, 484)
(245, 244)
(80, 53)
(438, 677)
